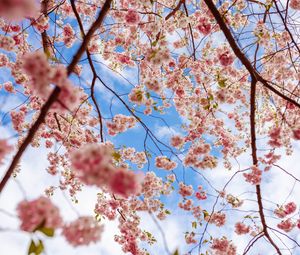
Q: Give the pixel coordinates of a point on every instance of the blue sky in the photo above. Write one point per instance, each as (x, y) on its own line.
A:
(33, 177)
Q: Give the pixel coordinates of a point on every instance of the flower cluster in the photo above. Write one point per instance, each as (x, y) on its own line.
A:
(93, 165)
(286, 225)
(217, 218)
(190, 238)
(5, 149)
(177, 141)
(254, 177)
(37, 67)
(285, 210)
(18, 9)
(295, 4)
(204, 26)
(7, 43)
(275, 135)
(163, 162)
(124, 182)
(68, 35)
(185, 190)
(132, 17)
(223, 247)
(120, 123)
(40, 212)
(83, 231)
(225, 57)
(241, 228)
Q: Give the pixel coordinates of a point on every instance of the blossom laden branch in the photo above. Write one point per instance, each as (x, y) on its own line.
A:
(54, 95)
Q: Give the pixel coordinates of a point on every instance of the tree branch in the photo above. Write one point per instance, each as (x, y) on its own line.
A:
(54, 95)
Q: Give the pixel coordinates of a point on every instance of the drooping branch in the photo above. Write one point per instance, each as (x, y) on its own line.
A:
(54, 95)
(255, 77)
(255, 161)
(240, 55)
(93, 69)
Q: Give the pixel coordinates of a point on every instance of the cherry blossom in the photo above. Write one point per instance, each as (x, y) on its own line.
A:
(88, 83)
(92, 163)
(18, 9)
(295, 4)
(255, 176)
(36, 66)
(125, 182)
(40, 212)
(164, 163)
(223, 247)
(286, 225)
(241, 228)
(83, 231)
(5, 149)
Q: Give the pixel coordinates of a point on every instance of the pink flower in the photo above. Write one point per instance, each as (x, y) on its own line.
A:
(241, 228)
(7, 43)
(163, 162)
(36, 212)
(125, 182)
(120, 123)
(226, 58)
(92, 163)
(204, 26)
(5, 149)
(152, 185)
(290, 207)
(223, 247)
(83, 231)
(295, 4)
(132, 17)
(185, 190)
(70, 96)
(36, 66)
(217, 218)
(279, 212)
(18, 9)
(42, 23)
(177, 141)
(286, 225)
(8, 86)
(3, 60)
(298, 223)
(254, 177)
(201, 195)
(153, 84)
(296, 134)
(275, 135)
(68, 35)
